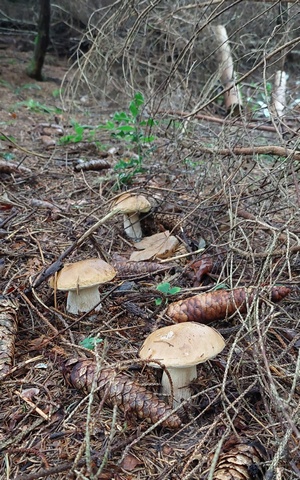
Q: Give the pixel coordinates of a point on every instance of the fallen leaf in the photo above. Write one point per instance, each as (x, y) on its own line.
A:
(129, 462)
(201, 267)
(160, 245)
(29, 393)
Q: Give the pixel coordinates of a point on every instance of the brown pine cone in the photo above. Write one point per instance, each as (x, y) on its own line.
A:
(8, 330)
(118, 389)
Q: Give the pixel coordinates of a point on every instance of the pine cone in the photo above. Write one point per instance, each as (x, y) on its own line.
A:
(241, 462)
(127, 269)
(8, 330)
(216, 305)
(118, 389)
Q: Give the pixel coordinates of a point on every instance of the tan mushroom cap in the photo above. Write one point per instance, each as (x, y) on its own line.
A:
(83, 274)
(182, 345)
(129, 203)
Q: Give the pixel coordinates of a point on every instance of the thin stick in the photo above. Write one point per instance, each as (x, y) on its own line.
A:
(260, 150)
(222, 121)
(50, 471)
(183, 255)
(22, 149)
(21, 365)
(32, 405)
(45, 320)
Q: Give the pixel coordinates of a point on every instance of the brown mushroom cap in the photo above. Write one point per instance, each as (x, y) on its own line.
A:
(182, 345)
(129, 203)
(83, 274)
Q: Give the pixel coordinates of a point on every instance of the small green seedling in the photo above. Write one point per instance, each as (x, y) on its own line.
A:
(8, 156)
(78, 135)
(167, 290)
(90, 342)
(132, 128)
(129, 126)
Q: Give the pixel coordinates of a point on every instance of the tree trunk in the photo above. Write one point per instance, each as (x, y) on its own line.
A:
(34, 70)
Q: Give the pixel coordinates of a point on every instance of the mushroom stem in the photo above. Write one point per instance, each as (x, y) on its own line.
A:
(181, 378)
(132, 226)
(83, 299)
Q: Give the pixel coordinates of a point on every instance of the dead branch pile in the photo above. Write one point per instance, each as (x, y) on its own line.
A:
(171, 48)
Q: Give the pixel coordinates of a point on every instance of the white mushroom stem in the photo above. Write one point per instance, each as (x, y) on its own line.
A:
(132, 226)
(83, 299)
(181, 378)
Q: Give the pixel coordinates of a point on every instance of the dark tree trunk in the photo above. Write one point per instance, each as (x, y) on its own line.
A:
(34, 70)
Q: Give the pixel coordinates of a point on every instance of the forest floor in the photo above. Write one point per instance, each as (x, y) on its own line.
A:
(236, 221)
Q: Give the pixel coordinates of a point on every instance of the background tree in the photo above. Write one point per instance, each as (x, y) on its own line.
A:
(34, 70)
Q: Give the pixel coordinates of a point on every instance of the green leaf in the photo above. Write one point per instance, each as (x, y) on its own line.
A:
(158, 301)
(125, 128)
(134, 110)
(78, 129)
(147, 139)
(139, 99)
(121, 117)
(90, 342)
(107, 126)
(163, 287)
(135, 104)
(167, 289)
(174, 290)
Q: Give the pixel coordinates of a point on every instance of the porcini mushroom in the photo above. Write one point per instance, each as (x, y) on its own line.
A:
(131, 206)
(81, 280)
(180, 348)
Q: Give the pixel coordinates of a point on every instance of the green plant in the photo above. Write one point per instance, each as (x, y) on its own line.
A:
(167, 290)
(90, 342)
(130, 127)
(36, 106)
(133, 129)
(78, 135)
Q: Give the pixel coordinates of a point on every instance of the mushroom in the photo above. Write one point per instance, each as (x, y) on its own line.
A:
(180, 348)
(81, 280)
(131, 206)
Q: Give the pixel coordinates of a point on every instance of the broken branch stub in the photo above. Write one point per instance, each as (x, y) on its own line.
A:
(118, 389)
(217, 305)
(232, 97)
(278, 96)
